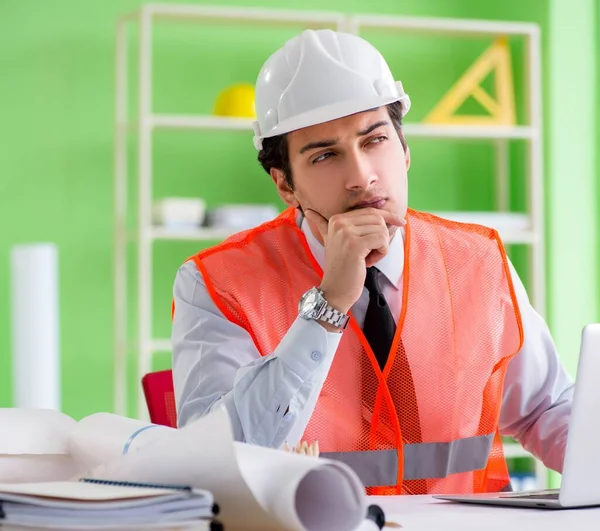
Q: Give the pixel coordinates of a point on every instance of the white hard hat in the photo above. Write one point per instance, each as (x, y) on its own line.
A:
(320, 76)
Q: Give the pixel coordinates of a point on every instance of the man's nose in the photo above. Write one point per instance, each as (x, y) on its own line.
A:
(360, 173)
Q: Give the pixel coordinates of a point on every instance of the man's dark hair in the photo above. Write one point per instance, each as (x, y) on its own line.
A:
(274, 152)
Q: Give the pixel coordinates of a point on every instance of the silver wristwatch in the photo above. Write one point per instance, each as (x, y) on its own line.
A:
(314, 306)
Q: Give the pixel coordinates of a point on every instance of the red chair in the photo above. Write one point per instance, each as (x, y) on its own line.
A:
(160, 397)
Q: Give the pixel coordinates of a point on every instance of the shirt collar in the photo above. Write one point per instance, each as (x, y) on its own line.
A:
(391, 265)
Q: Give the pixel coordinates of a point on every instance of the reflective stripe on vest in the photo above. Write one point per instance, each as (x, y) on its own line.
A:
(379, 468)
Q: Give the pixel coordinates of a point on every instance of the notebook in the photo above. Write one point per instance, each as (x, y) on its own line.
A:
(98, 504)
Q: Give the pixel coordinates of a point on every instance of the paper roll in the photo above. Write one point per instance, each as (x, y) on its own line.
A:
(301, 492)
(35, 340)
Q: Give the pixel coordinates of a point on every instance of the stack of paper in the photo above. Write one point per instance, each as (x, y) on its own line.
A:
(72, 505)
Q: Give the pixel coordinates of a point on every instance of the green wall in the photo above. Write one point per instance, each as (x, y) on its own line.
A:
(56, 161)
(572, 173)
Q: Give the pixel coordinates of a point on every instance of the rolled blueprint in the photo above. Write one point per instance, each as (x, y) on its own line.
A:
(35, 339)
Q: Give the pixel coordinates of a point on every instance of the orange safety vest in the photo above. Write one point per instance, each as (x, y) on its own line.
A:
(427, 423)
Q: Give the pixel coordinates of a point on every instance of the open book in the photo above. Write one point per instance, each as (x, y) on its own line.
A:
(255, 488)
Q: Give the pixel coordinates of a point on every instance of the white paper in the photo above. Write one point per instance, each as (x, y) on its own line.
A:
(300, 491)
(35, 431)
(34, 445)
(77, 495)
(103, 437)
(35, 340)
(276, 490)
(36, 467)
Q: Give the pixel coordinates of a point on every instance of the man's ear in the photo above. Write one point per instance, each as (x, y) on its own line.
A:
(283, 188)
(407, 158)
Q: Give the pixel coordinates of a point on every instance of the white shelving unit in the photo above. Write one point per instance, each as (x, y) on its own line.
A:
(526, 229)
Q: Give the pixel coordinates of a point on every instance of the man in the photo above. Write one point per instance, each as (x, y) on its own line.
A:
(403, 343)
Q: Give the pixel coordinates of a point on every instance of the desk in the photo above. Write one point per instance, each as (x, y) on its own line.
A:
(423, 513)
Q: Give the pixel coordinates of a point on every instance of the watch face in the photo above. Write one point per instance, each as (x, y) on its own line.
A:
(308, 303)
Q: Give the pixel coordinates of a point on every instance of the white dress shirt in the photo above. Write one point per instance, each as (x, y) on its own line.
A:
(270, 399)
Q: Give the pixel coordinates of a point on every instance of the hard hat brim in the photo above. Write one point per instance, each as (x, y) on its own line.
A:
(328, 113)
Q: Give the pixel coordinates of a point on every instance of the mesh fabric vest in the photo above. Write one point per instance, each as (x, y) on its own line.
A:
(460, 325)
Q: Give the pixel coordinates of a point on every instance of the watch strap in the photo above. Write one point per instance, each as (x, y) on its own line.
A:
(334, 317)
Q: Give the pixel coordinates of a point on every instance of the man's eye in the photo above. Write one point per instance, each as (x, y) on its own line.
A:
(322, 157)
(378, 140)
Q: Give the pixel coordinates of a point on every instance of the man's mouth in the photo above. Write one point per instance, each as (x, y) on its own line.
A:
(373, 202)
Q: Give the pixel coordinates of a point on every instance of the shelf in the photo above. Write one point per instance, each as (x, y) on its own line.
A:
(513, 228)
(518, 237)
(200, 234)
(498, 132)
(183, 121)
(443, 25)
(246, 16)
(198, 122)
(499, 220)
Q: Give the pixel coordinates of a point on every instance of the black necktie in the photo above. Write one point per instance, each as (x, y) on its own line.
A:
(379, 327)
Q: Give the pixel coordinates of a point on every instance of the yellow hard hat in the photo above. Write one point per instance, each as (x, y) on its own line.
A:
(236, 101)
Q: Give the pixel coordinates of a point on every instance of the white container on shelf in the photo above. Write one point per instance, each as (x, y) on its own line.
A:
(236, 217)
(179, 212)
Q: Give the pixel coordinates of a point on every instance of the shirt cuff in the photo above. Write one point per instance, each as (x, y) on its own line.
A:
(305, 347)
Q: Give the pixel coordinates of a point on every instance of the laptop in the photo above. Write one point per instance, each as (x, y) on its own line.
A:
(580, 486)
